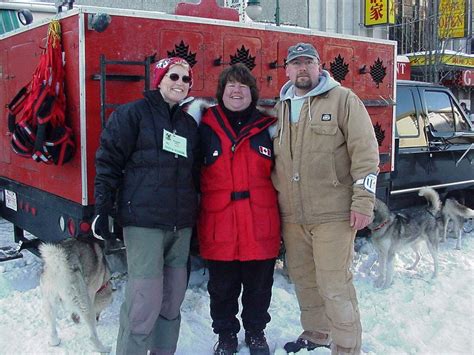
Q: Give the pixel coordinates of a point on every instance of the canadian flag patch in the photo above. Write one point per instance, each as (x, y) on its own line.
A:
(265, 151)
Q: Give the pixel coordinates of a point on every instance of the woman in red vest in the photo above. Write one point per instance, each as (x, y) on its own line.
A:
(239, 224)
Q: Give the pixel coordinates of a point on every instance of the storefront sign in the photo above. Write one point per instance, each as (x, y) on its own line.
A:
(452, 22)
(379, 12)
(467, 77)
(448, 59)
(403, 68)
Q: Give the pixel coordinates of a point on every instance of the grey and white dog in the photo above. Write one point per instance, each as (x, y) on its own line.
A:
(457, 213)
(392, 232)
(76, 275)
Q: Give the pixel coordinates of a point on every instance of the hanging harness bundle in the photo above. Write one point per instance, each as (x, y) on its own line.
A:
(40, 131)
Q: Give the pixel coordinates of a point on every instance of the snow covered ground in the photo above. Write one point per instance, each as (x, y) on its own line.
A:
(416, 315)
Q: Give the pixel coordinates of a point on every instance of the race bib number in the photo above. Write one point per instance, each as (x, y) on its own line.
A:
(174, 143)
(370, 183)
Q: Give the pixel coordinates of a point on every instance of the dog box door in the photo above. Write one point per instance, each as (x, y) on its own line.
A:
(380, 66)
(242, 49)
(338, 60)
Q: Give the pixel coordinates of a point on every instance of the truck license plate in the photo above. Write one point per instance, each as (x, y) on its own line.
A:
(10, 200)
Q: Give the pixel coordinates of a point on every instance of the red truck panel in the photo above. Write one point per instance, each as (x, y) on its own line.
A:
(21, 58)
(134, 38)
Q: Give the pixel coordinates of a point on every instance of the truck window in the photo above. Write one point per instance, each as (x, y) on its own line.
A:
(443, 115)
(8, 21)
(461, 124)
(407, 120)
(410, 129)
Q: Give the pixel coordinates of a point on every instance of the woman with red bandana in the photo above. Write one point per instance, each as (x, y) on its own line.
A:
(146, 169)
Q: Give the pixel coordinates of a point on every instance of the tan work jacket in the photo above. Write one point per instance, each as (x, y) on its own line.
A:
(318, 159)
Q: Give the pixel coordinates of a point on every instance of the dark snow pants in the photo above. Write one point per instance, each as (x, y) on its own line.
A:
(157, 279)
(226, 279)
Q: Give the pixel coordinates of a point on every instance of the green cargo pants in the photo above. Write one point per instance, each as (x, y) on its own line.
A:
(157, 279)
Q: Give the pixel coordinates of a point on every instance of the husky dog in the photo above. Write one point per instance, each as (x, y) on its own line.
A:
(75, 273)
(392, 232)
(453, 211)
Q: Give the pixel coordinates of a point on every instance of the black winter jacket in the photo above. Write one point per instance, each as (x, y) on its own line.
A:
(149, 186)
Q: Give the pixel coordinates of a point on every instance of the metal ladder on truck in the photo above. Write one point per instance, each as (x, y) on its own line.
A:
(103, 77)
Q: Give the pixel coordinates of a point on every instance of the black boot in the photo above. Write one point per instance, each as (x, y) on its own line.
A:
(257, 343)
(300, 343)
(227, 344)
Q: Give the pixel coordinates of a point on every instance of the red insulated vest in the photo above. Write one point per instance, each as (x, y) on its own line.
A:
(239, 217)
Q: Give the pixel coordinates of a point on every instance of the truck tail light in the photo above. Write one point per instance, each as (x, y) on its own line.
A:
(27, 207)
(84, 227)
(71, 227)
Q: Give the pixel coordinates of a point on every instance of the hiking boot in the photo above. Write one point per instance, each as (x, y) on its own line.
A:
(309, 341)
(227, 344)
(257, 343)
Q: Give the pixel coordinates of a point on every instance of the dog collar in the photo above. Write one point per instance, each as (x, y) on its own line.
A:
(380, 226)
(103, 287)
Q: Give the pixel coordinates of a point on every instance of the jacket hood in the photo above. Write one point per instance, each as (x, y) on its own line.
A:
(326, 83)
(197, 108)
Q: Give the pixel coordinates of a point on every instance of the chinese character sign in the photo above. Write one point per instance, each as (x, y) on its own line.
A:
(452, 19)
(379, 12)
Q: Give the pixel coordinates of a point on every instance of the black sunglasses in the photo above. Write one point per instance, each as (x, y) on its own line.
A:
(175, 77)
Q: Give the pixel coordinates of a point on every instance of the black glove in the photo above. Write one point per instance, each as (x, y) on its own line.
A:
(100, 227)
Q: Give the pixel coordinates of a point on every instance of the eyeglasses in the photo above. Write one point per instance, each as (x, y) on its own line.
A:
(175, 77)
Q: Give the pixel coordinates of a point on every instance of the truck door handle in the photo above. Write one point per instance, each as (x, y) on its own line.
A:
(465, 153)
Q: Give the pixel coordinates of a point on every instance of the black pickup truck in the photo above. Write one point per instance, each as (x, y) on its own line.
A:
(434, 146)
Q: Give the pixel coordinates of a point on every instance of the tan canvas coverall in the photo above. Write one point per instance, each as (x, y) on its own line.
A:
(317, 161)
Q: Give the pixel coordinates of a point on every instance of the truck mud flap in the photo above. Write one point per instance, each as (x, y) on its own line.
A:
(10, 253)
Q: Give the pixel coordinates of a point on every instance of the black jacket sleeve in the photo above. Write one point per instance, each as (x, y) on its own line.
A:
(197, 165)
(117, 143)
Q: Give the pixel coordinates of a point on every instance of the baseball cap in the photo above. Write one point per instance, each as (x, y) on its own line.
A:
(302, 50)
(164, 65)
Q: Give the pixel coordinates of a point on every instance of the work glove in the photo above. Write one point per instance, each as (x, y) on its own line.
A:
(101, 230)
